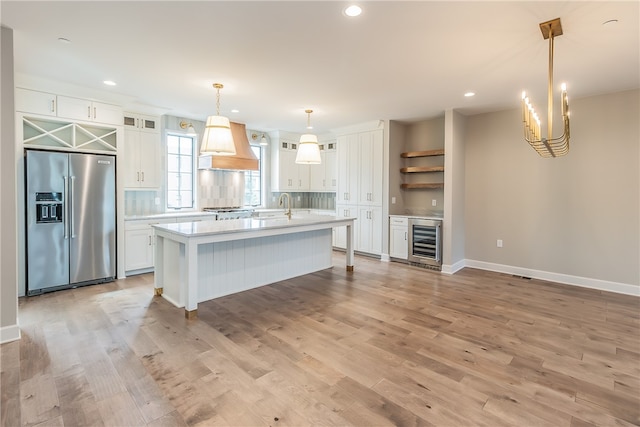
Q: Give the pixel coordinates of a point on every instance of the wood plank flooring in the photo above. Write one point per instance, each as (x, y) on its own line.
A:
(389, 344)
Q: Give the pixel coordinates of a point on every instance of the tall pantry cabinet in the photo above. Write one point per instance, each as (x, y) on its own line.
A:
(360, 185)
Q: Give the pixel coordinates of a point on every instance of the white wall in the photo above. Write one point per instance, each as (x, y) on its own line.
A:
(8, 216)
(578, 216)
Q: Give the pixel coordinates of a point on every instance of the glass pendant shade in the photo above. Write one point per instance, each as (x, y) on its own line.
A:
(308, 150)
(217, 139)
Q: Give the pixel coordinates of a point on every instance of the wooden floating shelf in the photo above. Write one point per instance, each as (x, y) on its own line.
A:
(417, 169)
(422, 185)
(428, 153)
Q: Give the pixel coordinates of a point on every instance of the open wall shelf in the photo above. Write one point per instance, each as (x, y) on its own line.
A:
(422, 186)
(422, 169)
(429, 153)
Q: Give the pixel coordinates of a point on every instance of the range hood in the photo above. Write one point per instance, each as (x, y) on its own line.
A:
(244, 159)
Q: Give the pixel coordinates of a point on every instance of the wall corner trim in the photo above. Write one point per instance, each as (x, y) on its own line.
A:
(453, 268)
(9, 333)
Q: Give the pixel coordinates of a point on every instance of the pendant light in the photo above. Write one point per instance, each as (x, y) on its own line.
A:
(217, 139)
(549, 146)
(308, 149)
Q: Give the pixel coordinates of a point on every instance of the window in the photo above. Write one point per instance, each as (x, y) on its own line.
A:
(253, 181)
(180, 176)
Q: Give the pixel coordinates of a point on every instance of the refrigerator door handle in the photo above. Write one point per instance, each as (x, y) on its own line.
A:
(73, 225)
(65, 198)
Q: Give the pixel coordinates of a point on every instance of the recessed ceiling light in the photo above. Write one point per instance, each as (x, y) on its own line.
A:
(235, 111)
(353, 10)
(469, 94)
(109, 82)
(64, 40)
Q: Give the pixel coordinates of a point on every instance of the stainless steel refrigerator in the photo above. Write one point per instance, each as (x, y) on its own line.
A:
(71, 220)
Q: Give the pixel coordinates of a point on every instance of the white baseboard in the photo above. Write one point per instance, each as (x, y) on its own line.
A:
(9, 333)
(585, 282)
(385, 257)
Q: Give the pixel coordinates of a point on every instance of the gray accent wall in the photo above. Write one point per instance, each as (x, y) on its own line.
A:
(577, 215)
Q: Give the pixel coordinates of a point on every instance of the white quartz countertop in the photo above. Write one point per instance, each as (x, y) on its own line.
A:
(432, 216)
(169, 215)
(244, 225)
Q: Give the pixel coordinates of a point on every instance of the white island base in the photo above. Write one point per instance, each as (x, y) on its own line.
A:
(199, 261)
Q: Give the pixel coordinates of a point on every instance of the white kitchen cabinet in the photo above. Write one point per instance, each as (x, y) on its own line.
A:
(142, 158)
(370, 228)
(371, 147)
(49, 104)
(286, 174)
(359, 169)
(86, 110)
(36, 102)
(141, 122)
(322, 177)
(138, 247)
(398, 237)
(340, 234)
(348, 166)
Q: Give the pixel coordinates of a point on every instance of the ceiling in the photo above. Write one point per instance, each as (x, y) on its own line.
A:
(403, 61)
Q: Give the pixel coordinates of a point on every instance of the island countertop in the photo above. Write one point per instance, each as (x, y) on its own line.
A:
(247, 225)
(201, 260)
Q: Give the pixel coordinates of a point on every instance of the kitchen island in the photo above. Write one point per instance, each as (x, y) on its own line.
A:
(199, 261)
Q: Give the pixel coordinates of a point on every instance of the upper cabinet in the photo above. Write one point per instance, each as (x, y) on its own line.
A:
(35, 102)
(92, 111)
(49, 104)
(323, 177)
(142, 152)
(360, 163)
(142, 122)
(286, 174)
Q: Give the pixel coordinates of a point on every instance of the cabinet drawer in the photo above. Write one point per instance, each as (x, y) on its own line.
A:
(394, 220)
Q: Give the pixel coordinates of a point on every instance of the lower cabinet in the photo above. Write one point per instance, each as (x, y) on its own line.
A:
(398, 237)
(138, 246)
(368, 228)
(140, 240)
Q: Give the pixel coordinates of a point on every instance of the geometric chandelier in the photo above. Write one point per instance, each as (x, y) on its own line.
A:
(549, 146)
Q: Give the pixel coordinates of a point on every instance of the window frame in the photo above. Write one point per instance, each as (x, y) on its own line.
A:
(261, 172)
(194, 171)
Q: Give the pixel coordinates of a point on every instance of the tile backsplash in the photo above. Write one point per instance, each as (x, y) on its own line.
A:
(325, 201)
(143, 203)
(220, 188)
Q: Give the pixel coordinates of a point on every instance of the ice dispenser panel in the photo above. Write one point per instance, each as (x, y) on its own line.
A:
(48, 207)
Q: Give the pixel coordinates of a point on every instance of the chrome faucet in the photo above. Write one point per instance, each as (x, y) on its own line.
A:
(280, 203)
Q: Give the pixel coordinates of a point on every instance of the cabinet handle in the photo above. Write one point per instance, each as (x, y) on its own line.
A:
(53, 105)
(142, 176)
(89, 112)
(138, 176)
(149, 240)
(405, 235)
(95, 113)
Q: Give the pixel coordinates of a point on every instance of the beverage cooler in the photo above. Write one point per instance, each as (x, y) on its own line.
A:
(425, 242)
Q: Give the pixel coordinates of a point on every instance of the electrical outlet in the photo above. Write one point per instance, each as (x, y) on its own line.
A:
(393, 200)
(157, 201)
(434, 202)
(499, 243)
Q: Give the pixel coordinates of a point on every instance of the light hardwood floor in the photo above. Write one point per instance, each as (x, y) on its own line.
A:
(389, 344)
